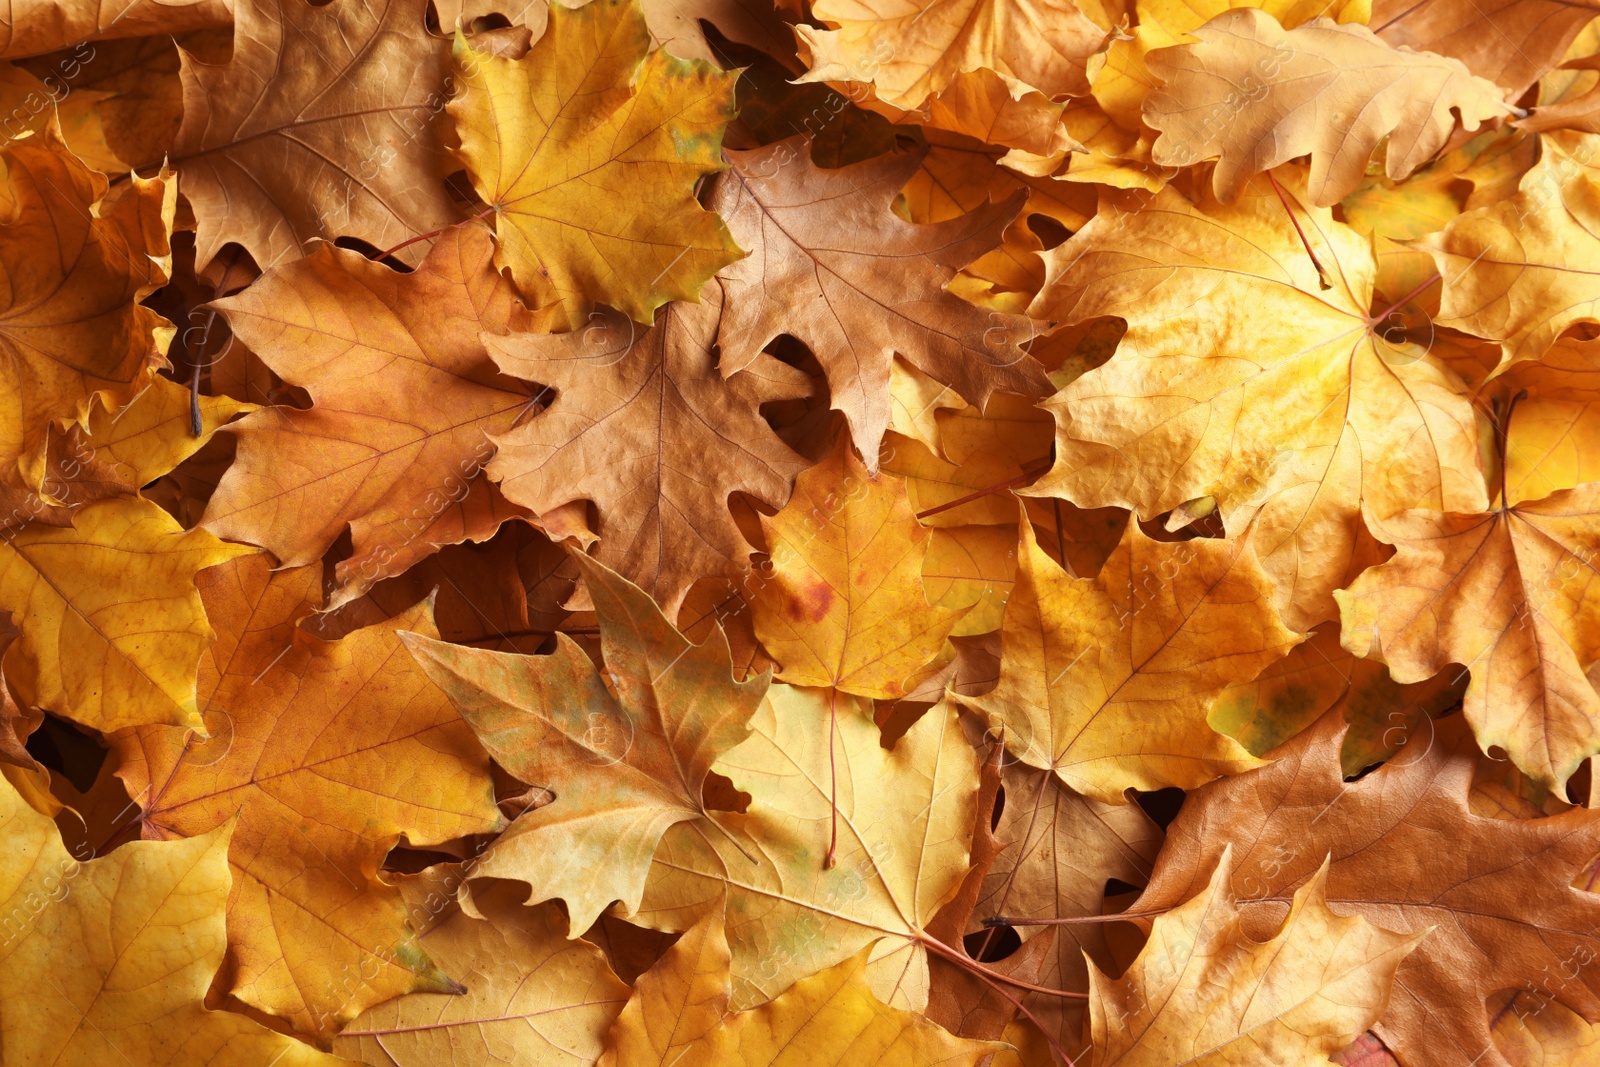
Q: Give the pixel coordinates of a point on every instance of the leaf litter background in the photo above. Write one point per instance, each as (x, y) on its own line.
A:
(965, 532)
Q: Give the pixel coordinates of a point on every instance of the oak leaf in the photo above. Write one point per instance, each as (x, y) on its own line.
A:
(910, 53)
(1242, 379)
(108, 960)
(643, 425)
(626, 761)
(532, 995)
(1202, 992)
(404, 396)
(591, 117)
(1106, 681)
(325, 122)
(819, 275)
(1498, 898)
(329, 722)
(843, 606)
(896, 821)
(1254, 95)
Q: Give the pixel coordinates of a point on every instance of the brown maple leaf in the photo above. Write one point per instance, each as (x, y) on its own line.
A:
(1407, 853)
(325, 122)
(643, 425)
(832, 266)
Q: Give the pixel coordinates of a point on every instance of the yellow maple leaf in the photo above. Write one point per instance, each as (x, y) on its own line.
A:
(327, 752)
(1107, 681)
(678, 1013)
(588, 149)
(844, 605)
(108, 960)
(1202, 993)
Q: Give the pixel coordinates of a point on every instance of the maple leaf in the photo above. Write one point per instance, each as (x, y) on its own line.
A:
(818, 274)
(644, 426)
(1059, 851)
(1106, 681)
(897, 822)
(1515, 270)
(1512, 42)
(533, 996)
(1409, 98)
(625, 761)
(324, 774)
(1201, 985)
(1241, 379)
(88, 597)
(324, 122)
(843, 606)
(588, 114)
(1498, 899)
(1511, 595)
(108, 960)
(76, 263)
(403, 393)
(678, 1013)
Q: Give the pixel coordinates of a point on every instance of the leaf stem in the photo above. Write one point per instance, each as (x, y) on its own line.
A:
(1030, 470)
(1010, 920)
(1322, 275)
(961, 958)
(833, 780)
(1386, 312)
(485, 213)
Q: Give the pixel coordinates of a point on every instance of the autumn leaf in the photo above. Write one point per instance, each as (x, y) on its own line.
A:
(818, 275)
(1498, 898)
(532, 996)
(626, 761)
(1201, 984)
(33, 27)
(1527, 572)
(843, 606)
(591, 112)
(1515, 270)
(1511, 42)
(88, 597)
(899, 842)
(1060, 849)
(109, 959)
(1242, 379)
(961, 63)
(404, 400)
(1085, 673)
(325, 121)
(679, 1013)
(644, 426)
(1409, 99)
(76, 262)
(328, 723)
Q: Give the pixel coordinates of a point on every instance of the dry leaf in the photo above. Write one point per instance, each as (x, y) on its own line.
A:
(1333, 92)
(300, 728)
(1498, 897)
(818, 274)
(842, 605)
(589, 113)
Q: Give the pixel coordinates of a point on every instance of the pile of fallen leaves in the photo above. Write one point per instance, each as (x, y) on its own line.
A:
(984, 532)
